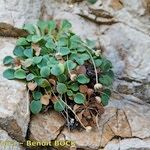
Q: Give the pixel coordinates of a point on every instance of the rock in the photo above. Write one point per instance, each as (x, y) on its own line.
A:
(18, 12)
(119, 124)
(14, 101)
(128, 144)
(46, 126)
(137, 115)
(7, 143)
(130, 49)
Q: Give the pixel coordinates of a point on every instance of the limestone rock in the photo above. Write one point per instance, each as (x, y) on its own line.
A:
(130, 49)
(18, 12)
(128, 144)
(137, 114)
(14, 101)
(7, 143)
(46, 126)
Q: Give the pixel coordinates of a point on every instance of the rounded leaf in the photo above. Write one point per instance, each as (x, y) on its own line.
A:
(36, 38)
(37, 59)
(22, 42)
(45, 99)
(57, 69)
(20, 74)
(9, 74)
(61, 88)
(28, 52)
(62, 78)
(45, 71)
(69, 93)
(30, 77)
(65, 25)
(37, 95)
(59, 106)
(79, 98)
(8, 60)
(18, 51)
(70, 64)
(43, 83)
(64, 51)
(83, 79)
(105, 80)
(74, 87)
(35, 107)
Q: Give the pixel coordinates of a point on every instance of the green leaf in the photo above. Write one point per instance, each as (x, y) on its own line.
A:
(37, 95)
(22, 42)
(57, 69)
(36, 38)
(98, 62)
(42, 63)
(79, 98)
(35, 106)
(50, 44)
(74, 87)
(106, 65)
(105, 80)
(43, 83)
(92, 1)
(62, 42)
(77, 57)
(64, 50)
(20, 74)
(81, 49)
(59, 106)
(30, 28)
(42, 25)
(70, 64)
(9, 74)
(65, 25)
(69, 93)
(8, 60)
(83, 79)
(75, 38)
(75, 42)
(18, 51)
(28, 52)
(107, 92)
(30, 77)
(52, 61)
(51, 25)
(91, 43)
(37, 59)
(45, 71)
(61, 88)
(85, 56)
(62, 78)
(105, 96)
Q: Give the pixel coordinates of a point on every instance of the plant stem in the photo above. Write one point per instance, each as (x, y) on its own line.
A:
(96, 74)
(70, 109)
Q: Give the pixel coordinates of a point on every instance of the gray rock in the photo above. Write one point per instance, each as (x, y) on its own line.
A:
(7, 143)
(18, 12)
(128, 144)
(14, 100)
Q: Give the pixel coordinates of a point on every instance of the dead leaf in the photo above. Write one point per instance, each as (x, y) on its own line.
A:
(32, 86)
(83, 88)
(52, 81)
(81, 69)
(90, 92)
(54, 99)
(45, 99)
(37, 49)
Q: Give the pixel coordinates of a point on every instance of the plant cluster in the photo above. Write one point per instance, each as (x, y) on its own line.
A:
(61, 71)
